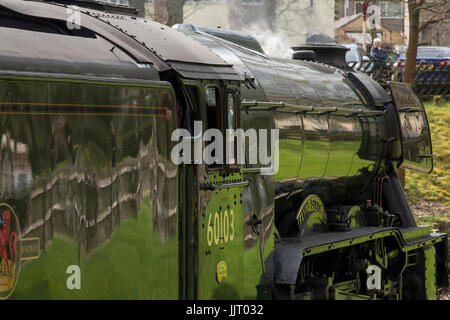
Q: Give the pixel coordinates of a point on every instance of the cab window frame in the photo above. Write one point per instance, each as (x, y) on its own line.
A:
(219, 120)
(234, 91)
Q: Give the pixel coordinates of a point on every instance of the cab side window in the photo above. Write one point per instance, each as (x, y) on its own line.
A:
(222, 115)
(231, 115)
(213, 108)
(214, 121)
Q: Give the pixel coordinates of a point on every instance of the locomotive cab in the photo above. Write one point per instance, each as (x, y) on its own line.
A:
(210, 205)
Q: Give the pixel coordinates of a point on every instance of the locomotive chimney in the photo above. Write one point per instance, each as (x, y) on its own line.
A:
(325, 53)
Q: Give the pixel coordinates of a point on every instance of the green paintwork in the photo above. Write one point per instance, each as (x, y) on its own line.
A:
(373, 236)
(417, 233)
(123, 268)
(290, 161)
(91, 155)
(430, 272)
(253, 271)
(226, 241)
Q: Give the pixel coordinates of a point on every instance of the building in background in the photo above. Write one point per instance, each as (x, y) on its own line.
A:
(393, 28)
(390, 28)
(277, 24)
(349, 30)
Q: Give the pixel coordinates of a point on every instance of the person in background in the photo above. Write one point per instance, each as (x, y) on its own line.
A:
(378, 54)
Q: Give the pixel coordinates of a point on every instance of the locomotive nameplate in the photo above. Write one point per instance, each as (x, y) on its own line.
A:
(9, 250)
(13, 250)
(30, 248)
(312, 203)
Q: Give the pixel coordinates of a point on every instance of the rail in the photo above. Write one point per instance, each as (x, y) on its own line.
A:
(431, 79)
(381, 72)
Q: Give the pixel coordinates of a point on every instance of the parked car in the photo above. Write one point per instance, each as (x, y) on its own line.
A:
(429, 60)
(392, 56)
(356, 57)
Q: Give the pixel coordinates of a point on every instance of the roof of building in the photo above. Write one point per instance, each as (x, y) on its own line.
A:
(386, 23)
(346, 20)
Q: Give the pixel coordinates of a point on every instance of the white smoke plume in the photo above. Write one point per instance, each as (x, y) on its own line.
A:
(275, 45)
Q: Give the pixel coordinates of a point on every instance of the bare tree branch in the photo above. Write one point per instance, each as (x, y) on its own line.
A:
(422, 14)
(433, 12)
(196, 6)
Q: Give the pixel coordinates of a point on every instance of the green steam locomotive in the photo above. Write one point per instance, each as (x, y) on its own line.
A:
(95, 105)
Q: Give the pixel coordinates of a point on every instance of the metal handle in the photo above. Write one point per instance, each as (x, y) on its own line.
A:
(215, 186)
(254, 222)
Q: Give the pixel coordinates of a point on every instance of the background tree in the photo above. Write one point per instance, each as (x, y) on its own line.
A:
(138, 4)
(169, 12)
(421, 14)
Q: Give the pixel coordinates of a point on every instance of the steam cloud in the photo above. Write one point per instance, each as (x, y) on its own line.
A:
(274, 44)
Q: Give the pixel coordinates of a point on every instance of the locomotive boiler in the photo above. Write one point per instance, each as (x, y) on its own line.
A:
(94, 207)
